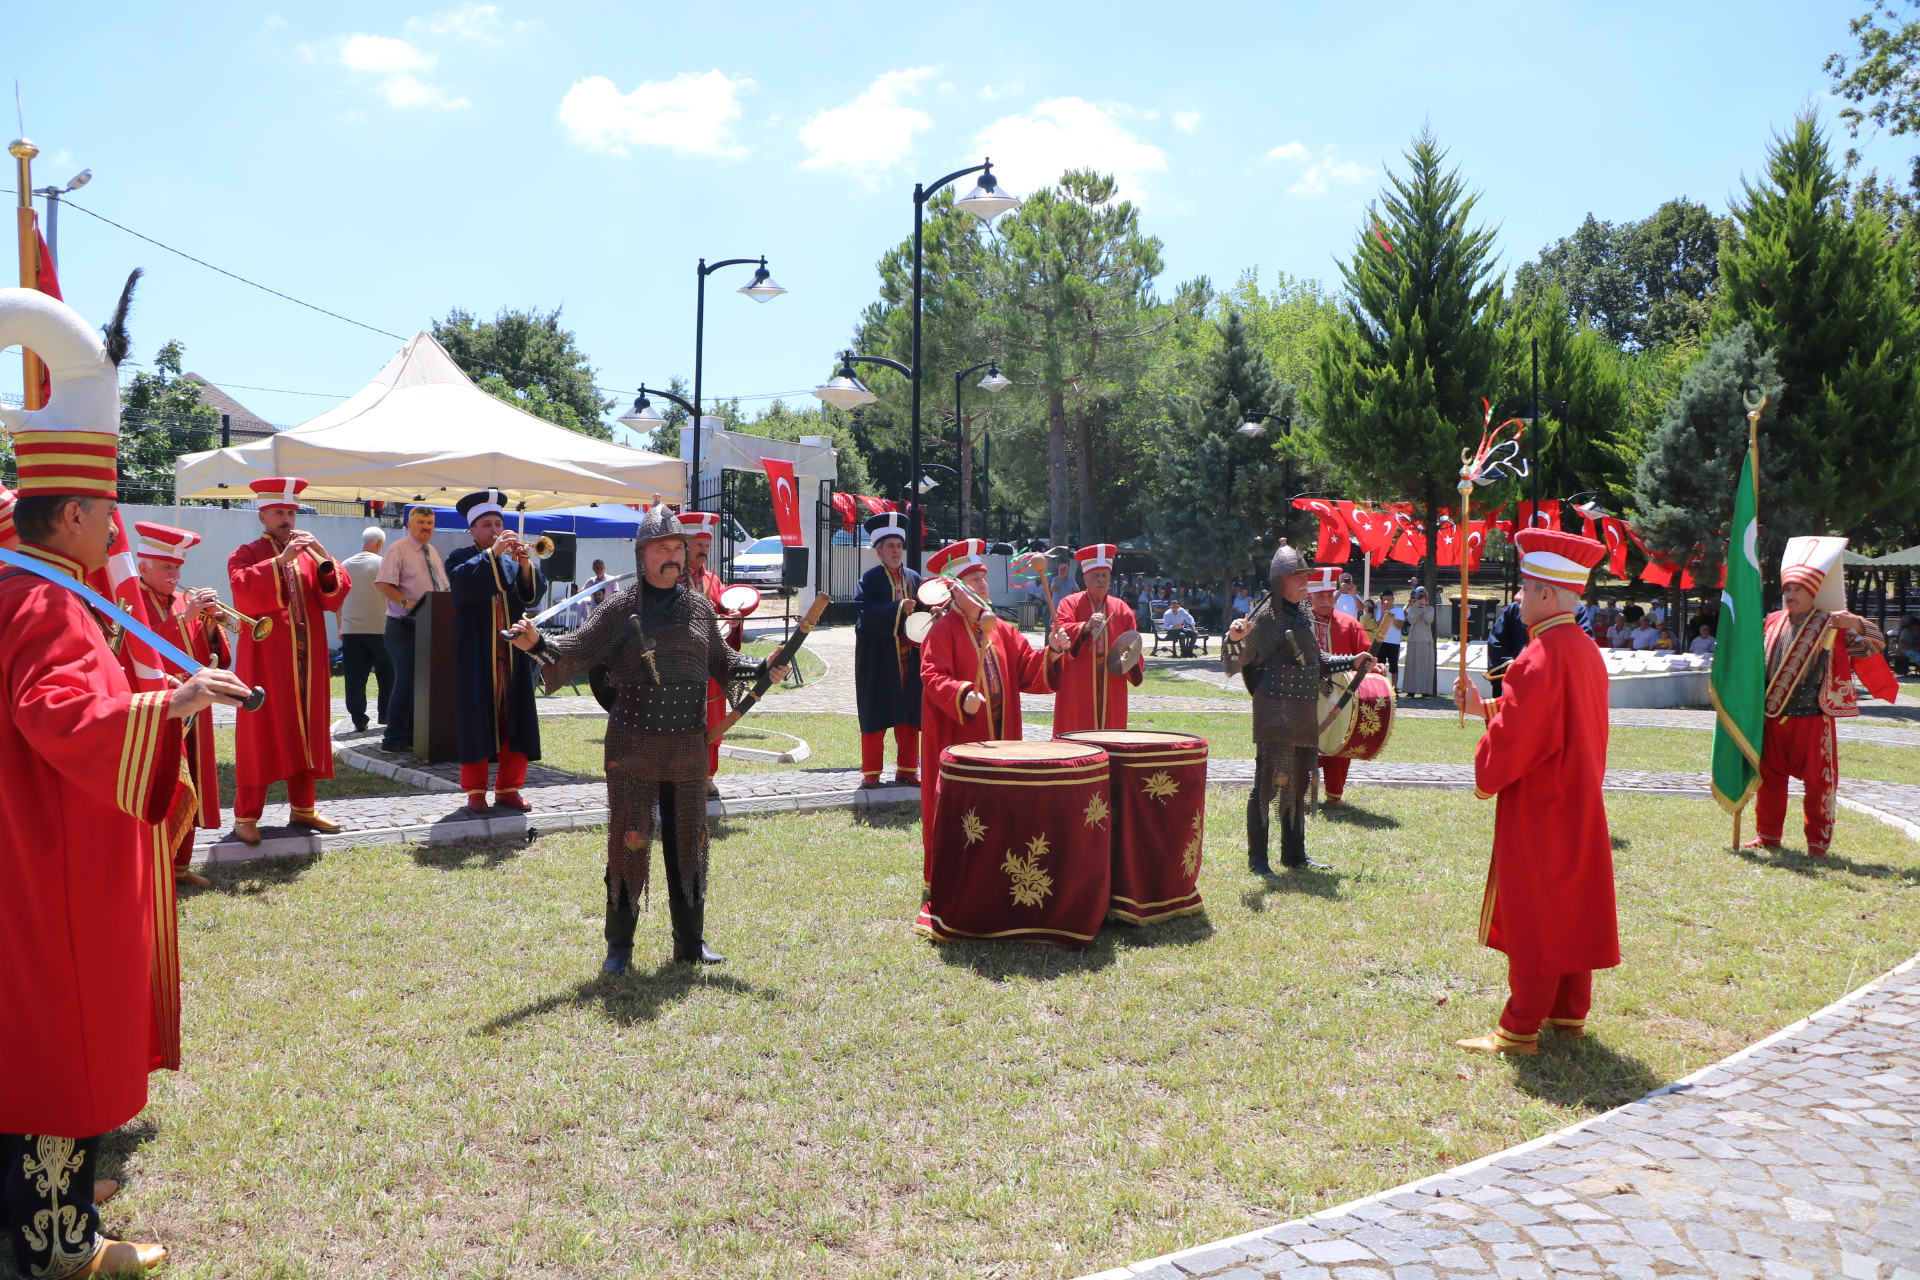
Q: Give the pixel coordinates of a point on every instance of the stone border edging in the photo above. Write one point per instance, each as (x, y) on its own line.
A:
(1684, 1084)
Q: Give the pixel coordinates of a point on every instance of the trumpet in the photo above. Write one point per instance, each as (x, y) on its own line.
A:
(541, 547)
(230, 618)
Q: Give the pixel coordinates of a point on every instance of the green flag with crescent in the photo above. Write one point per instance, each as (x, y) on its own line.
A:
(1739, 679)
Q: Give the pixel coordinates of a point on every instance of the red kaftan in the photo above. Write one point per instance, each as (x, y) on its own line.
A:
(290, 734)
(89, 766)
(1341, 633)
(208, 643)
(954, 661)
(1089, 697)
(1549, 900)
(708, 584)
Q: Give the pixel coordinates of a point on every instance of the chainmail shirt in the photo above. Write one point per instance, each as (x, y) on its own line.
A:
(1287, 677)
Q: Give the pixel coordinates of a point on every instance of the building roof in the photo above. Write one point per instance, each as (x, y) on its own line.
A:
(240, 418)
(1898, 559)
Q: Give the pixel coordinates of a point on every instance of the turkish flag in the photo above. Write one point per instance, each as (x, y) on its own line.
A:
(1373, 528)
(786, 499)
(1495, 522)
(1545, 516)
(1449, 551)
(848, 508)
(1411, 546)
(1332, 547)
(1476, 543)
(1614, 530)
(877, 505)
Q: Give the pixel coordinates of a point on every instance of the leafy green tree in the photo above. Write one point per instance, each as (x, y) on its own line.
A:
(1832, 296)
(1684, 485)
(162, 417)
(1217, 498)
(1883, 84)
(1403, 372)
(528, 360)
(1640, 283)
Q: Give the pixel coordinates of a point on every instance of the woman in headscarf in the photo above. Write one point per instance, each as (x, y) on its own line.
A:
(1417, 654)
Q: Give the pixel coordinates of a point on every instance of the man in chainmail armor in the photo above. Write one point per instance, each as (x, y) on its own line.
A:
(1276, 652)
(659, 643)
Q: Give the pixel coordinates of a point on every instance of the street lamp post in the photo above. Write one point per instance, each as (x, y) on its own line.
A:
(53, 195)
(985, 202)
(994, 383)
(763, 289)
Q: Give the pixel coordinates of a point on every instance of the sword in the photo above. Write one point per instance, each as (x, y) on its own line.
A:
(176, 657)
(577, 596)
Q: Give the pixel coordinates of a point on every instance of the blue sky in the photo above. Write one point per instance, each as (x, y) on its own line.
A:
(390, 162)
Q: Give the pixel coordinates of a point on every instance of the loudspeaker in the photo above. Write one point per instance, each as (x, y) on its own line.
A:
(793, 573)
(560, 566)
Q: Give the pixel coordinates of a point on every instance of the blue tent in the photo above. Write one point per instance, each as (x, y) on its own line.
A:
(601, 520)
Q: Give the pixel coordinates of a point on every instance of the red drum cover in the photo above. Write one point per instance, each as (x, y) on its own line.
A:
(1159, 797)
(1022, 850)
(1360, 730)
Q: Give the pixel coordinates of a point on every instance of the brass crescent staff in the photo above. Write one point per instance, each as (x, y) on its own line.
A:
(1460, 536)
(1482, 466)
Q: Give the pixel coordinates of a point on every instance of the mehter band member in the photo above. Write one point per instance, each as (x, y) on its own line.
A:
(700, 526)
(495, 583)
(660, 644)
(1339, 634)
(91, 766)
(284, 575)
(1275, 651)
(1813, 648)
(973, 670)
(1090, 696)
(1549, 897)
(189, 619)
(886, 663)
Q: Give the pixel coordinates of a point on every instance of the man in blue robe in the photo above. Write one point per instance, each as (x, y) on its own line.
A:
(886, 663)
(495, 582)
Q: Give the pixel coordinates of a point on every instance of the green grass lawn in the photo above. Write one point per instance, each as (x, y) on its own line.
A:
(1158, 680)
(402, 1062)
(345, 783)
(812, 666)
(579, 745)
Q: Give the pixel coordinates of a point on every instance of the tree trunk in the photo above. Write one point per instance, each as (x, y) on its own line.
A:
(1083, 440)
(1057, 514)
(1430, 563)
(966, 476)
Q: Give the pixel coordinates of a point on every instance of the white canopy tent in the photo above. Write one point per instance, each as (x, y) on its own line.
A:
(422, 432)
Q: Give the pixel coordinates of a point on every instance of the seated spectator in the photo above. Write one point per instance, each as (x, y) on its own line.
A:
(1242, 604)
(1621, 637)
(1178, 623)
(1702, 641)
(1663, 640)
(1907, 642)
(1646, 635)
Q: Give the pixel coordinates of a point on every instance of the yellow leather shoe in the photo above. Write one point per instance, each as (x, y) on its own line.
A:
(123, 1258)
(311, 819)
(246, 832)
(105, 1189)
(1499, 1040)
(1569, 1028)
(193, 878)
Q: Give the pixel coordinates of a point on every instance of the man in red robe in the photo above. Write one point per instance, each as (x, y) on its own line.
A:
(700, 527)
(1090, 696)
(284, 575)
(187, 619)
(1810, 670)
(90, 767)
(1338, 633)
(973, 670)
(1549, 899)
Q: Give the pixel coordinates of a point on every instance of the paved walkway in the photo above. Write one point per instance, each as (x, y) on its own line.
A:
(1791, 1160)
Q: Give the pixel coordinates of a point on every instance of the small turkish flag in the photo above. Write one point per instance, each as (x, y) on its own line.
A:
(786, 499)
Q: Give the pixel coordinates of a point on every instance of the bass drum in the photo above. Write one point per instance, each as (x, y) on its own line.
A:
(1359, 730)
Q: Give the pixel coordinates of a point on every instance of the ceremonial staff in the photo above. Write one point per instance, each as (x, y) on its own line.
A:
(1482, 466)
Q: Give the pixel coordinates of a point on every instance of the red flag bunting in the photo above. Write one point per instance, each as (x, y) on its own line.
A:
(1332, 547)
(786, 499)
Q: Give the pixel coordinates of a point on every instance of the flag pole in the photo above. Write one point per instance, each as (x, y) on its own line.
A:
(1753, 465)
(1466, 501)
(32, 372)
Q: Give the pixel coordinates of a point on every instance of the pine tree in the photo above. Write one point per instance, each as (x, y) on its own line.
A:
(1402, 374)
(1831, 294)
(1684, 486)
(1219, 498)
(528, 360)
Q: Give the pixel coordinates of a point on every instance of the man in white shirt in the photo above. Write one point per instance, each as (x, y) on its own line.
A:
(1389, 618)
(363, 625)
(1646, 635)
(1347, 602)
(1702, 643)
(601, 596)
(409, 569)
(1179, 624)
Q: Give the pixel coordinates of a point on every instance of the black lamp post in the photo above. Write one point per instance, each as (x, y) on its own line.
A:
(763, 289)
(994, 383)
(985, 202)
(1255, 427)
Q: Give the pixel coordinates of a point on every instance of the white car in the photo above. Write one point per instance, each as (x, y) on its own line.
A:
(761, 562)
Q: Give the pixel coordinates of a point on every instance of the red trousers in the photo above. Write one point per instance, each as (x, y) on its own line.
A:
(508, 781)
(1800, 747)
(1333, 774)
(1559, 1000)
(250, 802)
(906, 749)
(716, 712)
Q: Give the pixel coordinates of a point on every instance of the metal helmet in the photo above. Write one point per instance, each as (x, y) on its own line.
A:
(1286, 560)
(658, 522)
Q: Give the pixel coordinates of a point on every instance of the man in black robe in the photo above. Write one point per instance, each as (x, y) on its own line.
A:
(886, 664)
(495, 583)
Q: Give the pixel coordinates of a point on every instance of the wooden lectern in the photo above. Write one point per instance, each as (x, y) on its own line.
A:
(436, 735)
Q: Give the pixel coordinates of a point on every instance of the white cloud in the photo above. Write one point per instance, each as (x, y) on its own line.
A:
(480, 23)
(689, 113)
(870, 134)
(1033, 150)
(379, 54)
(1323, 172)
(405, 91)
(1186, 121)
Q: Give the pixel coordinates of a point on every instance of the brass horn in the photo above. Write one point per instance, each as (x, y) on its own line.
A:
(542, 547)
(232, 619)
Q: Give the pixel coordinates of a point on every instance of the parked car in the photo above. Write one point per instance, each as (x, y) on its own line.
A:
(761, 562)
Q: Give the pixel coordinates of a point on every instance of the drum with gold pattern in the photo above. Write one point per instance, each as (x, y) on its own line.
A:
(1022, 853)
(1360, 729)
(1158, 790)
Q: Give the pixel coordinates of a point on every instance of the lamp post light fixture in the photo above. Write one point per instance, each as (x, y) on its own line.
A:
(993, 384)
(846, 392)
(53, 195)
(762, 289)
(927, 483)
(986, 202)
(644, 417)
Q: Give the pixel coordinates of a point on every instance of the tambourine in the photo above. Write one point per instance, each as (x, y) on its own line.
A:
(1123, 653)
(917, 625)
(935, 593)
(938, 593)
(739, 601)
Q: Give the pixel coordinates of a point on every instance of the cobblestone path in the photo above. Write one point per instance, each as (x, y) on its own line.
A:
(1792, 1160)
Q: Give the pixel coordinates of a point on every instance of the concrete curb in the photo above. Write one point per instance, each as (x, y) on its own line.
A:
(1172, 1261)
